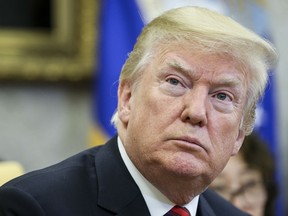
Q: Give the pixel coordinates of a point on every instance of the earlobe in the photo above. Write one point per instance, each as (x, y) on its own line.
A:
(124, 96)
(238, 142)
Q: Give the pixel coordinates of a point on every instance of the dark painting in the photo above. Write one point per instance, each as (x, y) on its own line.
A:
(25, 14)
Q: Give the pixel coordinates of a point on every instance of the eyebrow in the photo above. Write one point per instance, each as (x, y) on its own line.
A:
(229, 81)
(180, 66)
(183, 67)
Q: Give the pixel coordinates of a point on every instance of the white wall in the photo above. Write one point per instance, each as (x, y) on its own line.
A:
(41, 125)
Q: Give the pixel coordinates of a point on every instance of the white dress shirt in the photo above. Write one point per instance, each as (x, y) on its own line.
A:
(156, 202)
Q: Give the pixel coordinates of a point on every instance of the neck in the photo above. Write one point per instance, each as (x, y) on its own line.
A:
(179, 190)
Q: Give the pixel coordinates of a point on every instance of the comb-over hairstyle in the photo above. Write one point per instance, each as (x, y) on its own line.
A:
(206, 32)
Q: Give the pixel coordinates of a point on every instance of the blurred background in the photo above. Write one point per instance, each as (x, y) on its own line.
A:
(60, 61)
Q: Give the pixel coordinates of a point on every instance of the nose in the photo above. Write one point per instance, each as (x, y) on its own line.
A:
(195, 107)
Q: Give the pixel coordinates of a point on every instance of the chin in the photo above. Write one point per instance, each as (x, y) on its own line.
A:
(186, 169)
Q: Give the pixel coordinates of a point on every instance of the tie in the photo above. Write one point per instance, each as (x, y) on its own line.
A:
(178, 211)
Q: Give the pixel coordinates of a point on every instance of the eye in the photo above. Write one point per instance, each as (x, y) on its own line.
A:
(173, 81)
(222, 96)
(224, 100)
(250, 184)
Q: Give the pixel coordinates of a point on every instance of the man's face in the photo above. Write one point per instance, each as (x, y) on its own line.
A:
(183, 118)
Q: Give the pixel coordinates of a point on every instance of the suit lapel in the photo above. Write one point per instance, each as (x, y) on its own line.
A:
(204, 208)
(118, 192)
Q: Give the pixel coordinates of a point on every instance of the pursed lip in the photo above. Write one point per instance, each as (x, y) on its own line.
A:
(190, 141)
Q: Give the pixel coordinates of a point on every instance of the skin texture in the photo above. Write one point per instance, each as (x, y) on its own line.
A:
(181, 123)
(234, 176)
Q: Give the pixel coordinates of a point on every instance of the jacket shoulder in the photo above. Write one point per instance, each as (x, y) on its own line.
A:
(66, 188)
(219, 205)
(80, 162)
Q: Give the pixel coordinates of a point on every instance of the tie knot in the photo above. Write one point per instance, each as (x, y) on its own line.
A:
(178, 211)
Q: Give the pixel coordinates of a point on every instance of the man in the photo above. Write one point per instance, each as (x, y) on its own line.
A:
(186, 100)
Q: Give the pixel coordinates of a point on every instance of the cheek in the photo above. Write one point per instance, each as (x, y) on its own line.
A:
(143, 119)
(153, 110)
(223, 133)
(152, 114)
(226, 127)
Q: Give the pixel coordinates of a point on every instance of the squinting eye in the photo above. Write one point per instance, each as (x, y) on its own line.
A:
(173, 81)
(173, 85)
(221, 96)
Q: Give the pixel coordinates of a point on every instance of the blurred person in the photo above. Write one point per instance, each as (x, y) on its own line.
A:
(186, 100)
(9, 170)
(248, 180)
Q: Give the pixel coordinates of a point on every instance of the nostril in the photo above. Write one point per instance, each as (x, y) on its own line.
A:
(194, 118)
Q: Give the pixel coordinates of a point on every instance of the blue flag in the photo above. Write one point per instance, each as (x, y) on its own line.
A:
(266, 113)
(120, 25)
(266, 117)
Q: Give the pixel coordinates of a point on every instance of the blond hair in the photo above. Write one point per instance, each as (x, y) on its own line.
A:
(207, 32)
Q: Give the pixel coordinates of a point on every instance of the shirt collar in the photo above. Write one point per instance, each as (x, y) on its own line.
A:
(156, 202)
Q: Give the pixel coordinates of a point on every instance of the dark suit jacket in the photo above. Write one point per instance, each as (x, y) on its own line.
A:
(94, 182)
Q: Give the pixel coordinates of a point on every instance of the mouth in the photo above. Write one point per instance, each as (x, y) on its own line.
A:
(189, 143)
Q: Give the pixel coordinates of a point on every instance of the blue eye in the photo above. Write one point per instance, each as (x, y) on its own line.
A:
(222, 96)
(173, 81)
(173, 85)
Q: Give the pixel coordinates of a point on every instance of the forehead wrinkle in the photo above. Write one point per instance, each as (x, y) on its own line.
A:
(180, 66)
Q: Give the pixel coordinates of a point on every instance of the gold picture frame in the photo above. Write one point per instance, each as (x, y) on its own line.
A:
(67, 52)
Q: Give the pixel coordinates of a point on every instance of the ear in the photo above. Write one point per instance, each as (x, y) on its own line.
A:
(238, 142)
(124, 97)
